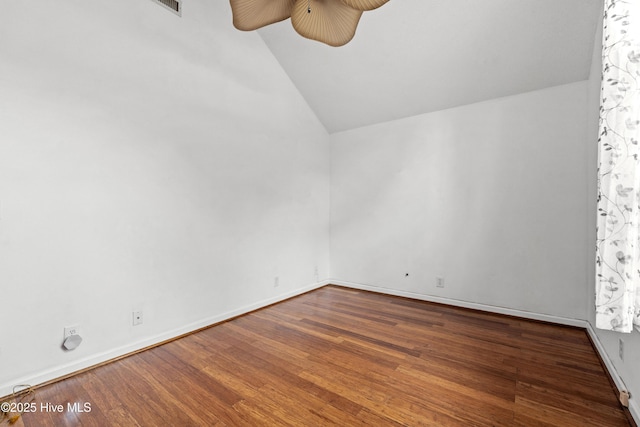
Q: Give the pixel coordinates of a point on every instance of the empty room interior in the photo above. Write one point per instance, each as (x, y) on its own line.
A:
(241, 227)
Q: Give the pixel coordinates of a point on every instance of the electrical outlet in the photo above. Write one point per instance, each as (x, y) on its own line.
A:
(439, 282)
(316, 274)
(621, 349)
(276, 282)
(71, 330)
(137, 318)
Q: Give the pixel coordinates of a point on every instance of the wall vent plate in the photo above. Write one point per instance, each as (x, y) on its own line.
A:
(173, 5)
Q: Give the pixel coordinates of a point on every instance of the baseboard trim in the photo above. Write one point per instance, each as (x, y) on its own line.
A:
(75, 367)
(465, 304)
(634, 409)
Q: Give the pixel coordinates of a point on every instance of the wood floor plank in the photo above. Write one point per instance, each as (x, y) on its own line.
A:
(338, 356)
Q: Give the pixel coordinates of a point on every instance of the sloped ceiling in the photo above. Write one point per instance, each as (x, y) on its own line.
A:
(417, 56)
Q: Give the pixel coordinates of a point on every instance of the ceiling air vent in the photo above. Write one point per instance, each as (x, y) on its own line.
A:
(173, 5)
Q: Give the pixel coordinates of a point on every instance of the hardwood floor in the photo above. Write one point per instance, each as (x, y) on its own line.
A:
(343, 357)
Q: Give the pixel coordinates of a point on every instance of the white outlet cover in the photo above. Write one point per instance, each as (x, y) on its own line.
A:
(71, 330)
(137, 318)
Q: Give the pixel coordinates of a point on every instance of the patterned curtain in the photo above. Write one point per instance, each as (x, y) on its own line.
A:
(618, 244)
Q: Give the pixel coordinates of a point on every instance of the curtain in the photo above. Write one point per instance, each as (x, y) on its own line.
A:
(618, 202)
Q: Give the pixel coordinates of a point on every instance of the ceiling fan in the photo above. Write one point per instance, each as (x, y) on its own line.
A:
(332, 22)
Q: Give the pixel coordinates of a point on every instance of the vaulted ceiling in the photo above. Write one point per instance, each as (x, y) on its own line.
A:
(412, 57)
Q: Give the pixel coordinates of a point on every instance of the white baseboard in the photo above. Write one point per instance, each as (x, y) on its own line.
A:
(633, 403)
(41, 377)
(465, 304)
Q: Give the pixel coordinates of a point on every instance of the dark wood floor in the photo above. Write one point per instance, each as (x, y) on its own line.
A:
(343, 357)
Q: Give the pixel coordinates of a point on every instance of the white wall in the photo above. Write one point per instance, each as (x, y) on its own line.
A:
(490, 196)
(146, 162)
(629, 368)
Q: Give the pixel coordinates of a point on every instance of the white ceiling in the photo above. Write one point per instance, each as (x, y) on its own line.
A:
(417, 56)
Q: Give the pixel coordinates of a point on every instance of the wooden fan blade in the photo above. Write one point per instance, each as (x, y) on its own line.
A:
(252, 14)
(330, 21)
(364, 4)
